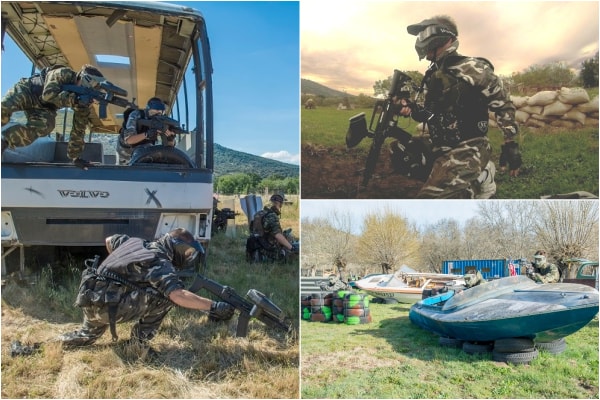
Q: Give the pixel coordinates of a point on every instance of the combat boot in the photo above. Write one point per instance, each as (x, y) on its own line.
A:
(77, 339)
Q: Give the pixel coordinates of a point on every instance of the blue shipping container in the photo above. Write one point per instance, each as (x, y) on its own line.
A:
(490, 269)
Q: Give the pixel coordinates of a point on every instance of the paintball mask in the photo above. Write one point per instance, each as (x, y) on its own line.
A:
(186, 254)
(430, 36)
(90, 77)
(539, 259)
(155, 104)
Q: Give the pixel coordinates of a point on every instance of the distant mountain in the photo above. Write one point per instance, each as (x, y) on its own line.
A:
(228, 161)
(309, 87)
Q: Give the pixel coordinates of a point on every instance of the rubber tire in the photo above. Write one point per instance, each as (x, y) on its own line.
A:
(477, 348)
(356, 312)
(389, 300)
(553, 347)
(523, 357)
(450, 342)
(514, 345)
(161, 154)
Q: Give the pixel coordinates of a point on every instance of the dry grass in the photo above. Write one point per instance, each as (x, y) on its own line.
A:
(196, 358)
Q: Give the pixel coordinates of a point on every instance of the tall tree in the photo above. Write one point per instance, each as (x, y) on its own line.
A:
(388, 239)
(568, 228)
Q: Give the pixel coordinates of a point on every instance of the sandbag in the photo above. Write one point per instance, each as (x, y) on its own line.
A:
(573, 96)
(563, 123)
(589, 107)
(532, 109)
(519, 101)
(574, 115)
(543, 98)
(534, 123)
(521, 116)
(591, 122)
(557, 108)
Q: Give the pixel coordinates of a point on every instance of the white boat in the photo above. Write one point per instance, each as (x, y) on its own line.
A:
(406, 286)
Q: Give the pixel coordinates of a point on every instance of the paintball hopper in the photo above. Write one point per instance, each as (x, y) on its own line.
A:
(357, 130)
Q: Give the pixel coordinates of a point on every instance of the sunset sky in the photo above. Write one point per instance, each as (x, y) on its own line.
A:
(352, 44)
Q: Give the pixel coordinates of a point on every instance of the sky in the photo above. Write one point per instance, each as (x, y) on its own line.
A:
(419, 212)
(350, 45)
(256, 84)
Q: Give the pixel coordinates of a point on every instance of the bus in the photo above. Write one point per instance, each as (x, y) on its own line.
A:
(147, 49)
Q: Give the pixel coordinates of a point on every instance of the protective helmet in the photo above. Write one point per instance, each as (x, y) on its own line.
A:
(90, 76)
(182, 248)
(432, 34)
(276, 197)
(155, 104)
(333, 278)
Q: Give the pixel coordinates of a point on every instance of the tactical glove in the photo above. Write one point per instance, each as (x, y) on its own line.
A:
(221, 311)
(151, 134)
(81, 163)
(68, 98)
(295, 248)
(511, 156)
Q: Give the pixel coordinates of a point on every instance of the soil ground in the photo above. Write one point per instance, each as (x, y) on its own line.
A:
(337, 173)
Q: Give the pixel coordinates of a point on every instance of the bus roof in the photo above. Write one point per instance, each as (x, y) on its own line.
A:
(142, 47)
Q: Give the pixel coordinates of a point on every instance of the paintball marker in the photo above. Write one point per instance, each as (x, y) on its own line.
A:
(108, 93)
(259, 306)
(386, 112)
(160, 123)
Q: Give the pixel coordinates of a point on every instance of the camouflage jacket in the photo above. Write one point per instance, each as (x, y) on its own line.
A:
(547, 273)
(459, 92)
(53, 94)
(159, 273)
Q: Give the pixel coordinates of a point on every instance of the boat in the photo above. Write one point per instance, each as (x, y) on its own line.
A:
(511, 307)
(407, 285)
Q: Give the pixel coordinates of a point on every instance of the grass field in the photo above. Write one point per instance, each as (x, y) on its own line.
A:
(196, 358)
(555, 161)
(392, 358)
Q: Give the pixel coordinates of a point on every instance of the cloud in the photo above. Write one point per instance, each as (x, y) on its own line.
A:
(350, 45)
(283, 156)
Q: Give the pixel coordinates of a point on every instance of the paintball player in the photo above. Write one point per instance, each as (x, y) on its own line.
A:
(133, 137)
(139, 281)
(541, 270)
(334, 283)
(473, 278)
(267, 227)
(459, 92)
(39, 97)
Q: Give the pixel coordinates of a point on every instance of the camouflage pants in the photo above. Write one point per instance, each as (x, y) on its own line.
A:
(132, 306)
(454, 174)
(41, 120)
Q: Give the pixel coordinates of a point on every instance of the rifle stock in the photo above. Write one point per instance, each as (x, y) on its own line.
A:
(260, 308)
(387, 121)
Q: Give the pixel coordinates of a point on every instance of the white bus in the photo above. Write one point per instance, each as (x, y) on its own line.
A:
(150, 49)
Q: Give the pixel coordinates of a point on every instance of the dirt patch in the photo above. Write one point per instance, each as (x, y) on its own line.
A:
(337, 173)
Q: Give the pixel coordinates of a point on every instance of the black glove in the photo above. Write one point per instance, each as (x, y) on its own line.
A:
(81, 163)
(151, 134)
(221, 311)
(511, 156)
(295, 248)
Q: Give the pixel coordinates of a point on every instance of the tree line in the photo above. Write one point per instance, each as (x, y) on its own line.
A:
(515, 229)
(247, 183)
(533, 78)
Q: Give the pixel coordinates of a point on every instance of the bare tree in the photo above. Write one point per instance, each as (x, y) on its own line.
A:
(441, 241)
(328, 240)
(512, 225)
(568, 228)
(388, 240)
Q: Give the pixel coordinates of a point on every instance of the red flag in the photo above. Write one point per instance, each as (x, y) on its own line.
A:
(512, 268)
